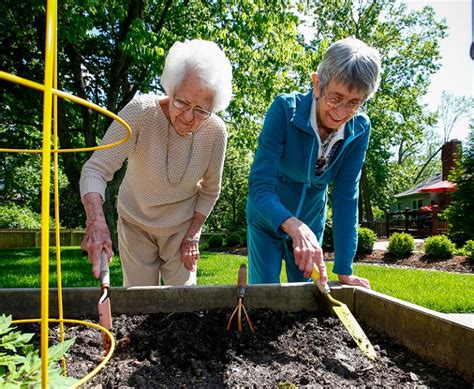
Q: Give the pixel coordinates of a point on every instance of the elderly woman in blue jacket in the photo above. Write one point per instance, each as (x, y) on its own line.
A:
(309, 141)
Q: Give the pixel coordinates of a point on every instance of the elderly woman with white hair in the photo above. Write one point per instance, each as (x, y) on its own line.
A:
(309, 141)
(173, 177)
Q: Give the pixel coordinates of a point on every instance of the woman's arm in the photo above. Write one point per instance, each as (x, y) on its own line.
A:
(345, 197)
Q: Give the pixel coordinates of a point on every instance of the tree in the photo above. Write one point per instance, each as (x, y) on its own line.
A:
(461, 209)
(451, 110)
(109, 51)
(408, 42)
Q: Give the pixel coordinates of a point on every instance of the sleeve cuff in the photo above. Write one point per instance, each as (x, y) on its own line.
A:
(92, 185)
(204, 206)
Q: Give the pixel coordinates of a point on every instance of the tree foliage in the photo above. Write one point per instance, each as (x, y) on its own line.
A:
(109, 51)
(461, 209)
(409, 46)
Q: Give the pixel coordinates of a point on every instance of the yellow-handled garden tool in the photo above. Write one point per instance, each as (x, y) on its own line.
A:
(346, 317)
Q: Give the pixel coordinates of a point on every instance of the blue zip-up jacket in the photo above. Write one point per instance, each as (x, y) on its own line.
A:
(282, 180)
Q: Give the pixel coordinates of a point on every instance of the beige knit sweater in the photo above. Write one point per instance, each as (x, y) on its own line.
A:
(152, 195)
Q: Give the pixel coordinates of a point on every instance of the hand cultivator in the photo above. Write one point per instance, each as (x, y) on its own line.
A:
(241, 283)
(105, 313)
(346, 317)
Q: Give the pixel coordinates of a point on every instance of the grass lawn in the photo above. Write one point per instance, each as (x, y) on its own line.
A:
(437, 290)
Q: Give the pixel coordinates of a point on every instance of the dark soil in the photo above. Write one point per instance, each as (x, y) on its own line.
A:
(195, 350)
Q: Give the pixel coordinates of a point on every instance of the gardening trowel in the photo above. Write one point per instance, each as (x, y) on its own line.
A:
(105, 313)
(346, 317)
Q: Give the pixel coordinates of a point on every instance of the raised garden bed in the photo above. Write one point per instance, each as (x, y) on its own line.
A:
(178, 337)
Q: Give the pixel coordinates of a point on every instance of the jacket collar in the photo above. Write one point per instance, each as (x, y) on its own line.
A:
(302, 112)
(301, 116)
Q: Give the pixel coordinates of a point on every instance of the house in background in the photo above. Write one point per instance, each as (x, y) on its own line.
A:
(413, 198)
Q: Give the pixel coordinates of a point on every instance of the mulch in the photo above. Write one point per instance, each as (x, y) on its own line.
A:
(458, 263)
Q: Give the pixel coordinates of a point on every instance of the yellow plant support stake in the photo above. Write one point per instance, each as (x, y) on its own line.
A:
(50, 96)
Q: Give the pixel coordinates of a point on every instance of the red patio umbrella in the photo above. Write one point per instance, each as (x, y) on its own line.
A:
(439, 187)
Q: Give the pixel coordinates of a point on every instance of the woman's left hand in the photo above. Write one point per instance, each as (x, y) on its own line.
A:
(354, 280)
(189, 253)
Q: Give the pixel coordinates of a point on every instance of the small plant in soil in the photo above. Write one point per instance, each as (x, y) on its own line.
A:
(20, 364)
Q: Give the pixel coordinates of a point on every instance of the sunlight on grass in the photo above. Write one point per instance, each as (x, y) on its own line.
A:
(437, 290)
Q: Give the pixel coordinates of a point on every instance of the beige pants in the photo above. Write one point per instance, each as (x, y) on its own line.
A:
(145, 255)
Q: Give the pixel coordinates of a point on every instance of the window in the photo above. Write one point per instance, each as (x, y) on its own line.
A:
(420, 203)
(413, 205)
(399, 206)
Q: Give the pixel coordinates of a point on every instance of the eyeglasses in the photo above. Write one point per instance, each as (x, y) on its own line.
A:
(335, 101)
(185, 106)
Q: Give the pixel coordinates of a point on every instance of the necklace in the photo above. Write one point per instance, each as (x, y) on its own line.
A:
(174, 184)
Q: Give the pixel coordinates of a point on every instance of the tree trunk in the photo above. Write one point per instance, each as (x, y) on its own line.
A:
(364, 185)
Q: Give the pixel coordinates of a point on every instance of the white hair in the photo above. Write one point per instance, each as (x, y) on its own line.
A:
(204, 59)
(353, 63)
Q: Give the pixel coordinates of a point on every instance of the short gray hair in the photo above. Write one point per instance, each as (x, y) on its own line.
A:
(207, 61)
(353, 63)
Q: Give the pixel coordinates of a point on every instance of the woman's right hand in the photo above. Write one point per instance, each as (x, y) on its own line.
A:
(306, 248)
(97, 236)
(97, 239)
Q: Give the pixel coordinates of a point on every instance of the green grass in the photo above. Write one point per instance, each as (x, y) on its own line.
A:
(437, 290)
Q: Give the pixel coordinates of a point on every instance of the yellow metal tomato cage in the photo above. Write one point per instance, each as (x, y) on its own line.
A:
(50, 96)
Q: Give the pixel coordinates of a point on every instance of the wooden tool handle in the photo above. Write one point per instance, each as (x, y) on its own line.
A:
(242, 281)
(324, 289)
(104, 275)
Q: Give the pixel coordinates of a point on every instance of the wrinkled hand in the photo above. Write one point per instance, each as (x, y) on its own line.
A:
(306, 248)
(97, 239)
(354, 280)
(189, 254)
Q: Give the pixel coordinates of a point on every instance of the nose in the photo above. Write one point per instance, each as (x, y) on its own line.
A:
(189, 114)
(341, 112)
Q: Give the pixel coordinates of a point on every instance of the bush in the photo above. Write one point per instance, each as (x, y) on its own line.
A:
(232, 239)
(469, 249)
(21, 363)
(215, 241)
(401, 244)
(366, 240)
(13, 216)
(243, 238)
(328, 241)
(439, 246)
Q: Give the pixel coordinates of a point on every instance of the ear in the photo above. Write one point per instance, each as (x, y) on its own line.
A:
(316, 89)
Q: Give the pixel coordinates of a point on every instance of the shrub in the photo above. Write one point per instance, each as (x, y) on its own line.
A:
(328, 243)
(366, 240)
(13, 216)
(469, 249)
(439, 246)
(215, 241)
(401, 244)
(21, 364)
(232, 239)
(243, 238)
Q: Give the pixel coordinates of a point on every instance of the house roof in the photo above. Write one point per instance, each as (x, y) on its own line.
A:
(414, 189)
